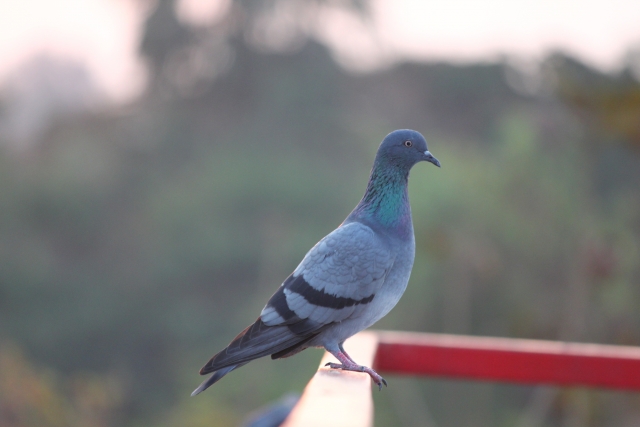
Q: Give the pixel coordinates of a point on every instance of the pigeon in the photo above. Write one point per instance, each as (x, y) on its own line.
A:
(348, 281)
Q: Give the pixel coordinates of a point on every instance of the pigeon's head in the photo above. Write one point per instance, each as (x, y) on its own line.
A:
(405, 148)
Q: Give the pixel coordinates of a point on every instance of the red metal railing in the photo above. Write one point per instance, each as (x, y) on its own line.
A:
(348, 394)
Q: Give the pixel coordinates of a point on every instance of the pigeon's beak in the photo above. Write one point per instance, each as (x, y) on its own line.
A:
(429, 158)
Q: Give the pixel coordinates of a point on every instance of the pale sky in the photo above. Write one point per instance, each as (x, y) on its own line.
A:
(104, 34)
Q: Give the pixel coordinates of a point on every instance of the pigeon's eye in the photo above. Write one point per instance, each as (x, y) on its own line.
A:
(408, 143)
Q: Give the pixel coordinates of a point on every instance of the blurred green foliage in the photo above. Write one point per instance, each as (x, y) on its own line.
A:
(136, 242)
(31, 396)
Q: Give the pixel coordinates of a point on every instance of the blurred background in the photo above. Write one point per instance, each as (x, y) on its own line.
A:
(164, 165)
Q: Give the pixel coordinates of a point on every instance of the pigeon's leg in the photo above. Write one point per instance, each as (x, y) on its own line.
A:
(347, 364)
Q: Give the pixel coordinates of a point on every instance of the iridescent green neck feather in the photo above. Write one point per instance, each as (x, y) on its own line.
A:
(386, 201)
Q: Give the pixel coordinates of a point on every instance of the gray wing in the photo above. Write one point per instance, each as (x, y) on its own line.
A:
(336, 280)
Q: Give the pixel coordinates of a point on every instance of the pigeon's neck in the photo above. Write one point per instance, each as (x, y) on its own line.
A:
(386, 200)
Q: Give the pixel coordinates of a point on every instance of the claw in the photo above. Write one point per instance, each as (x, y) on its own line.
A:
(333, 365)
(346, 366)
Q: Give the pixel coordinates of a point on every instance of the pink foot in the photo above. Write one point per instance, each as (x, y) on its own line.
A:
(349, 365)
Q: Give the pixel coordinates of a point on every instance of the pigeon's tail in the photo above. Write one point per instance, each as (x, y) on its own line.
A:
(255, 341)
(217, 375)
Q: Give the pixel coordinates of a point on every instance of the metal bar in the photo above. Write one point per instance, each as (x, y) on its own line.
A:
(338, 398)
(509, 360)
